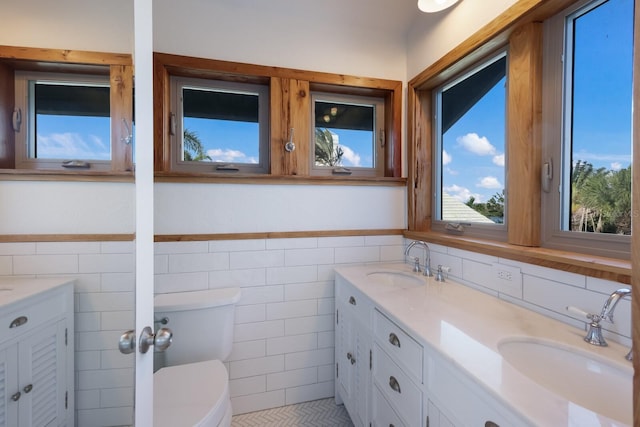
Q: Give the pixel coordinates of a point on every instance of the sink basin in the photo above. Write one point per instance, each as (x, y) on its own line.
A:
(581, 377)
(397, 279)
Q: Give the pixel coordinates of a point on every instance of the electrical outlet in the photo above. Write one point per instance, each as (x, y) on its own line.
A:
(504, 275)
(506, 279)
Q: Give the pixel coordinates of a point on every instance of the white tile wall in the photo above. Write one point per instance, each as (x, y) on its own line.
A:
(283, 349)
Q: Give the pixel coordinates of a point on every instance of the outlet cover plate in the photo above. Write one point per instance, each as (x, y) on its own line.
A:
(507, 279)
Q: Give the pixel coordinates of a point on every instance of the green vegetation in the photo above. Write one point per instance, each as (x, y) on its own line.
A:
(493, 209)
(327, 153)
(193, 149)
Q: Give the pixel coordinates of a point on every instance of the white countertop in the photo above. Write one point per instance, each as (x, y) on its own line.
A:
(465, 326)
(15, 289)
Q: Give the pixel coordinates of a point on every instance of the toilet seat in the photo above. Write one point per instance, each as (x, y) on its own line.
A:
(193, 394)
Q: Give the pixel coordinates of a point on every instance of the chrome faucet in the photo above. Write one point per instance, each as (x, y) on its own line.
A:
(610, 306)
(427, 257)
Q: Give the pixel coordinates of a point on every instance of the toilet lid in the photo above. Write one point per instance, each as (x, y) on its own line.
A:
(191, 394)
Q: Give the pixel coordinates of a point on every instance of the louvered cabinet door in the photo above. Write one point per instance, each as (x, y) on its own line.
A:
(41, 378)
(8, 385)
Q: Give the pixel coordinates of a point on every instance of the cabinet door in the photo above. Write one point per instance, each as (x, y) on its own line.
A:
(344, 356)
(9, 386)
(362, 380)
(41, 376)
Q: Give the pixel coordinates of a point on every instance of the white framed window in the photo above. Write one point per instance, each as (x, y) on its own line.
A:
(470, 150)
(348, 133)
(62, 121)
(587, 146)
(219, 126)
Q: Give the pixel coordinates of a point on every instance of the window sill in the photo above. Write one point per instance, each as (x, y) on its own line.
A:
(235, 178)
(55, 175)
(589, 265)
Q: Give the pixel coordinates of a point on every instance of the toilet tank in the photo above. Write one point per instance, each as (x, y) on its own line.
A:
(201, 322)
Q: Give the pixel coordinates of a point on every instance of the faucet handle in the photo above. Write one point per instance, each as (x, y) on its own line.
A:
(416, 265)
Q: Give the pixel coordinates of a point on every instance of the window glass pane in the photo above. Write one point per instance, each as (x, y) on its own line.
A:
(70, 121)
(220, 126)
(598, 127)
(344, 134)
(472, 146)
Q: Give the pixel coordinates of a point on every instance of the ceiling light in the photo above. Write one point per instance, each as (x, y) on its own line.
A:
(431, 6)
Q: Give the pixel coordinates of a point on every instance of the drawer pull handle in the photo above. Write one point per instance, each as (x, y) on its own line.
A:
(393, 383)
(351, 358)
(18, 321)
(490, 424)
(27, 388)
(16, 396)
(393, 339)
(352, 300)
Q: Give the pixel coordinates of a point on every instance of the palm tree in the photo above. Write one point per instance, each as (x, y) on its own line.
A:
(327, 153)
(193, 149)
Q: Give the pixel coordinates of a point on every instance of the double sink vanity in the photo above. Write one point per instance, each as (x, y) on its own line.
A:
(412, 351)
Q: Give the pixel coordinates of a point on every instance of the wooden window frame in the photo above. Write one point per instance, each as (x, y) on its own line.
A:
(117, 67)
(290, 107)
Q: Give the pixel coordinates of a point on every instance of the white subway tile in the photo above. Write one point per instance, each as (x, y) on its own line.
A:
(291, 344)
(106, 301)
(118, 282)
(106, 417)
(603, 286)
(186, 263)
(306, 359)
(181, 282)
(85, 322)
(357, 254)
(306, 325)
(390, 240)
(308, 256)
(105, 378)
(283, 275)
(243, 278)
(257, 402)
(340, 242)
(118, 320)
(259, 330)
(298, 291)
(113, 359)
(116, 397)
(294, 243)
(180, 247)
(237, 245)
(45, 264)
(6, 265)
(309, 392)
(326, 373)
(256, 259)
(253, 367)
(128, 247)
(87, 399)
(326, 273)
(262, 294)
(27, 248)
(289, 309)
(326, 338)
(250, 313)
(472, 256)
(551, 274)
(160, 264)
(479, 273)
(87, 360)
(326, 306)
(296, 378)
(107, 263)
(454, 263)
(249, 385)
(87, 282)
(392, 253)
(97, 340)
(67, 248)
(248, 350)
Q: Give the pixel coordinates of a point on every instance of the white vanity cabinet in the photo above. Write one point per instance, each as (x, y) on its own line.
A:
(353, 352)
(36, 353)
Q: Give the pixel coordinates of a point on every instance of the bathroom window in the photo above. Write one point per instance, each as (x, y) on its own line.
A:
(62, 121)
(470, 150)
(219, 126)
(589, 172)
(348, 135)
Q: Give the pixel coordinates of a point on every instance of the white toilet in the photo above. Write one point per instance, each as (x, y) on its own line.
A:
(192, 387)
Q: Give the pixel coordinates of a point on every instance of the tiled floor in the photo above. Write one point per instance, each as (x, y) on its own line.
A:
(318, 413)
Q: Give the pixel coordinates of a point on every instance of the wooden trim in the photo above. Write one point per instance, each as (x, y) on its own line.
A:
(23, 238)
(279, 180)
(588, 265)
(393, 149)
(274, 235)
(121, 77)
(7, 102)
(524, 136)
(55, 175)
(64, 56)
(420, 160)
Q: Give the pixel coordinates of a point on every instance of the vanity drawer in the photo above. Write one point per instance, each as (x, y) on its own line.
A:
(353, 300)
(404, 349)
(397, 387)
(384, 415)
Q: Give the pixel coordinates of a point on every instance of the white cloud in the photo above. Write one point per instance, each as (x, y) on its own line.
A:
(452, 171)
(446, 158)
(489, 182)
(461, 193)
(498, 160)
(476, 144)
(350, 157)
(230, 156)
(70, 145)
(616, 166)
